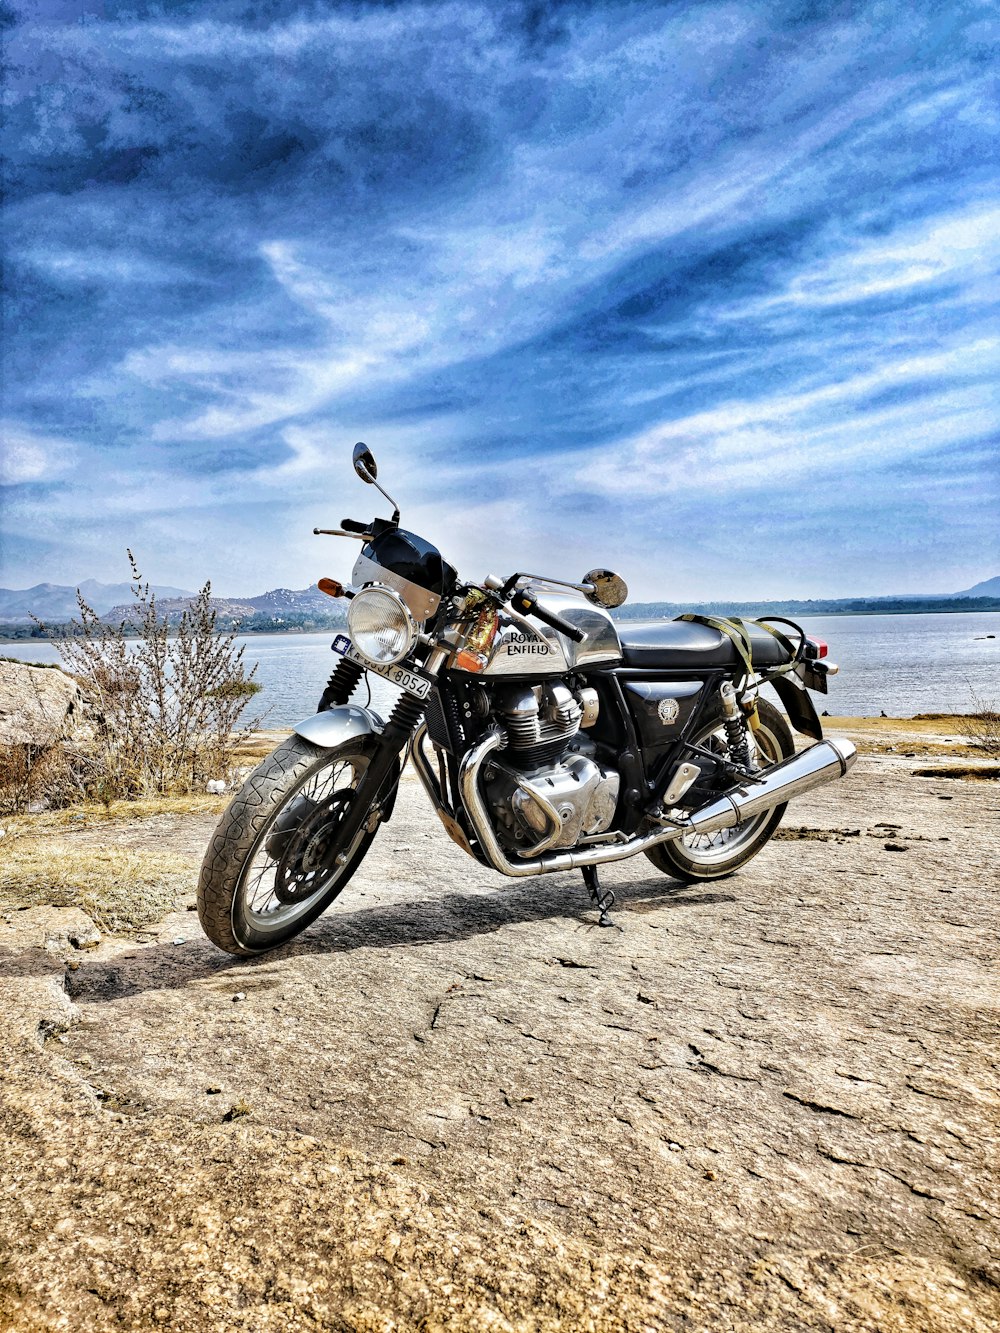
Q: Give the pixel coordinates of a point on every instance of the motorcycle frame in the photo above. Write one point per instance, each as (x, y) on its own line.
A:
(645, 776)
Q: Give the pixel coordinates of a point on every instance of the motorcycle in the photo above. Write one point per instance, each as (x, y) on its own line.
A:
(548, 737)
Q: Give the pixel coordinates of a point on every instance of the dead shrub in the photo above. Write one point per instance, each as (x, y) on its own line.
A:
(44, 774)
(982, 727)
(166, 699)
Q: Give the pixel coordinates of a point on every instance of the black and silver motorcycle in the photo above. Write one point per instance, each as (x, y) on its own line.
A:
(546, 735)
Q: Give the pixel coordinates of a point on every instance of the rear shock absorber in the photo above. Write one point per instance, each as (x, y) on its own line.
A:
(735, 724)
(341, 685)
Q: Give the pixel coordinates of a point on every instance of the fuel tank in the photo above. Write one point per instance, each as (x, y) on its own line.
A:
(526, 647)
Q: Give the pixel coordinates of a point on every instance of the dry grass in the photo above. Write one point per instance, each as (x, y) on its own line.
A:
(94, 814)
(120, 889)
(927, 734)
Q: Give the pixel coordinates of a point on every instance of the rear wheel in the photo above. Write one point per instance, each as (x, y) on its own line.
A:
(275, 861)
(703, 856)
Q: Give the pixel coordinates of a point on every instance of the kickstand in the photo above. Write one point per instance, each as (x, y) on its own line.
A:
(603, 899)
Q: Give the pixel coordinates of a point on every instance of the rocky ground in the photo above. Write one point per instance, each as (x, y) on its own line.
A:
(765, 1103)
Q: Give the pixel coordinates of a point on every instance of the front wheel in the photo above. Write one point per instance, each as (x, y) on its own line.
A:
(275, 861)
(703, 856)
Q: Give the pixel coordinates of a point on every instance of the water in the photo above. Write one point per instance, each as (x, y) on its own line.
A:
(903, 665)
(899, 665)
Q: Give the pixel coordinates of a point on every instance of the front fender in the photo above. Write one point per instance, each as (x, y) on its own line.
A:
(335, 725)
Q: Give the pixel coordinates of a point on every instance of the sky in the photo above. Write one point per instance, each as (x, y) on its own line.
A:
(705, 293)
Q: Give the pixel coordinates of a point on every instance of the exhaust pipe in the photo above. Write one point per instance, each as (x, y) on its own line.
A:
(821, 763)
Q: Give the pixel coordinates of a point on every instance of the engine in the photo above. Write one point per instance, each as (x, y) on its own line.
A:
(543, 791)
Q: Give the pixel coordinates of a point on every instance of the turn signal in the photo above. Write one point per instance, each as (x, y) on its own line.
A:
(331, 587)
(467, 660)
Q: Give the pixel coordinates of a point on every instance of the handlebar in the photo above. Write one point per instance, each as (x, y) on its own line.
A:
(352, 525)
(526, 604)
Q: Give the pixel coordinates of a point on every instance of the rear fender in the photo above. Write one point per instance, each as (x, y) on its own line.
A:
(347, 722)
(798, 705)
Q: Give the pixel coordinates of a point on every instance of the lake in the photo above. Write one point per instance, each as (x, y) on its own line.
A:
(899, 665)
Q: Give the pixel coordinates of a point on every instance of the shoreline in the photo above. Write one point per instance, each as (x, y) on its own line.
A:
(295, 632)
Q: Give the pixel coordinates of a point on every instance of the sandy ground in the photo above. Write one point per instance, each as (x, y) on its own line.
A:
(765, 1103)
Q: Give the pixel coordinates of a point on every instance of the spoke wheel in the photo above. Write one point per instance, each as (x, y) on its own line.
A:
(276, 860)
(703, 856)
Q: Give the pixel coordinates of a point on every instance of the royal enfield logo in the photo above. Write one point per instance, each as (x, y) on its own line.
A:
(668, 711)
(531, 647)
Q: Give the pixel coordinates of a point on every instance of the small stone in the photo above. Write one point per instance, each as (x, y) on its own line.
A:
(180, 940)
(895, 847)
(216, 786)
(212, 1090)
(240, 995)
(84, 939)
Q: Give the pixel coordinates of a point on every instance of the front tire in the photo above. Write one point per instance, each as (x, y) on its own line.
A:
(695, 857)
(274, 864)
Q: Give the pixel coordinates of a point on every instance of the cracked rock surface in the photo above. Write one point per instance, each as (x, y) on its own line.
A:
(769, 1102)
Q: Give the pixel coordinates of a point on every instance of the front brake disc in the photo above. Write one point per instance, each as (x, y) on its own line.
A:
(307, 858)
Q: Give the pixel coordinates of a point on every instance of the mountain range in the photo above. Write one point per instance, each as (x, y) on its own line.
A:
(286, 607)
(57, 602)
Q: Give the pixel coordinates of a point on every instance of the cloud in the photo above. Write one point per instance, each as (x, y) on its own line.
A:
(555, 266)
(27, 457)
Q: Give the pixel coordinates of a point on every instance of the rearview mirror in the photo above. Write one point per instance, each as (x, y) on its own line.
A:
(607, 589)
(364, 463)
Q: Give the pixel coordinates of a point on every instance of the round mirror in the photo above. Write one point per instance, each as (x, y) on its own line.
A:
(608, 589)
(364, 462)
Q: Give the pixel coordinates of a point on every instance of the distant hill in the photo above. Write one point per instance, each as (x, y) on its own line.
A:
(988, 588)
(56, 602)
(277, 610)
(277, 602)
(849, 606)
(305, 609)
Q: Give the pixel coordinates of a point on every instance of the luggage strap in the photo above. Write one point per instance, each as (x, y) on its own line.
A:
(734, 628)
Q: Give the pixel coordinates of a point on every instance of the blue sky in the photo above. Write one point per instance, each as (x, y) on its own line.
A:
(706, 293)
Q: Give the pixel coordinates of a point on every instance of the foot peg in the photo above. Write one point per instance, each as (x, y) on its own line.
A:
(603, 899)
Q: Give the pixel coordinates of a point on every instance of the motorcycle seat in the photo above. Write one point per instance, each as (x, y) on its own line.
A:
(685, 644)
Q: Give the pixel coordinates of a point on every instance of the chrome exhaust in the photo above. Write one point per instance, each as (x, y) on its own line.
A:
(821, 763)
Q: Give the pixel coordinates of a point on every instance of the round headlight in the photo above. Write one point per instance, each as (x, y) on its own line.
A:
(380, 626)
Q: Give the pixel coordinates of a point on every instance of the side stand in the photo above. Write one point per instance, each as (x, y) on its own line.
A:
(603, 899)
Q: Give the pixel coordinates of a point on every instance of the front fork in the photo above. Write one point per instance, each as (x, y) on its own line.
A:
(403, 722)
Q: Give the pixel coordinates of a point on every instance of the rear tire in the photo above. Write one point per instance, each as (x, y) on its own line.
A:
(270, 867)
(696, 857)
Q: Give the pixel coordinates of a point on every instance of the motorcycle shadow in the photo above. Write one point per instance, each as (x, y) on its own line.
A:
(448, 918)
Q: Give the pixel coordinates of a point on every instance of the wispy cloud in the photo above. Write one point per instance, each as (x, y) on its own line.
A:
(566, 270)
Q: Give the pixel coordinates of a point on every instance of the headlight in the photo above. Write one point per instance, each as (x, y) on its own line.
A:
(380, 626)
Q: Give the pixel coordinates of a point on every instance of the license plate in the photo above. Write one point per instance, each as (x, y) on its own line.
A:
(408, 680)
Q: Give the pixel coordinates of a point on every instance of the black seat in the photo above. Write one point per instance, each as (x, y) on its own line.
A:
(685, 644)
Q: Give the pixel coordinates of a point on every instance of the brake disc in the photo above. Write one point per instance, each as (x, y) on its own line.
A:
(307, 859)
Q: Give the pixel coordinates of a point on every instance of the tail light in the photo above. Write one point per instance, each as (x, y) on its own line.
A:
(813, 649)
